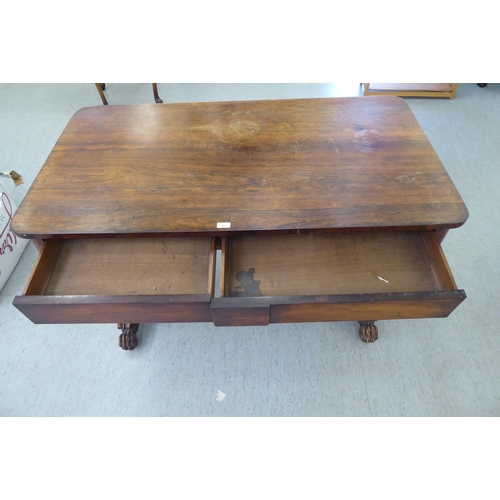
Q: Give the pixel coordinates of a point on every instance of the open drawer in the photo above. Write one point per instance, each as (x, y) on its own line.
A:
(357, 276)
(121, 280)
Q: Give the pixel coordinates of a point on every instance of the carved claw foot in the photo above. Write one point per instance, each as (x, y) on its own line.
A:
(128, 339)
(368, 332)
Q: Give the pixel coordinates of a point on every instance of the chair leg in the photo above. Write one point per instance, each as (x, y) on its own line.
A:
(155, 93)
(100, 87)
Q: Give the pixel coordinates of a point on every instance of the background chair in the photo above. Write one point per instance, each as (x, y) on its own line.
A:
(101, 87)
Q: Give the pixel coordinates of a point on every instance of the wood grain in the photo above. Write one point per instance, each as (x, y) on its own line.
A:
(412, 89)
(369, 307)
(47, 309)
(261, 165)
(254, 311)
(43, 268)
(243, 312)
(113, 266)
(342, 263)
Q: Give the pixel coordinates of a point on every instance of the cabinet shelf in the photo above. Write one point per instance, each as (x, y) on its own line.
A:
(411, 89)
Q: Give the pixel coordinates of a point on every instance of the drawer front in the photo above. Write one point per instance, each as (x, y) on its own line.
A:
(121, 280)
(259, 311)
(368, 307)
(240, 312)
(334, 277)
(115, 309)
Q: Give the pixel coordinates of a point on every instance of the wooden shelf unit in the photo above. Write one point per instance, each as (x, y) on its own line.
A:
(444, 90)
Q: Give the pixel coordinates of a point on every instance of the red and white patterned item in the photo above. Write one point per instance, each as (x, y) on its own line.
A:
(11, 247)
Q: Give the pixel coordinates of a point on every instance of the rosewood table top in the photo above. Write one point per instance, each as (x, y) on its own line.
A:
(250, 166)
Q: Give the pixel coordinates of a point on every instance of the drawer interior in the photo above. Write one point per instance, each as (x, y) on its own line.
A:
(125, 266)
(330, 264)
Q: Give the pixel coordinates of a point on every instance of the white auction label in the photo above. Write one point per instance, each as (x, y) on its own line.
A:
(223, 225)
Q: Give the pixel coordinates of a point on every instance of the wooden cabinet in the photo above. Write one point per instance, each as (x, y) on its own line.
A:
(446, 90)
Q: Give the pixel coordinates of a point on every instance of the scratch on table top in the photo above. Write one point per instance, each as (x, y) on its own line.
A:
(336, 148)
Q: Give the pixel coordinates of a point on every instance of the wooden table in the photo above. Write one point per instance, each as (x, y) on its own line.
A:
(322, 209)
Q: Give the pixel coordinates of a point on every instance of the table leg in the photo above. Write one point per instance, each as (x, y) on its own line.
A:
(128, 338)
(368, 332)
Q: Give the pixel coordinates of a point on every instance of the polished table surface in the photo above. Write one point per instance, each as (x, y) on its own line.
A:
(248, 166)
